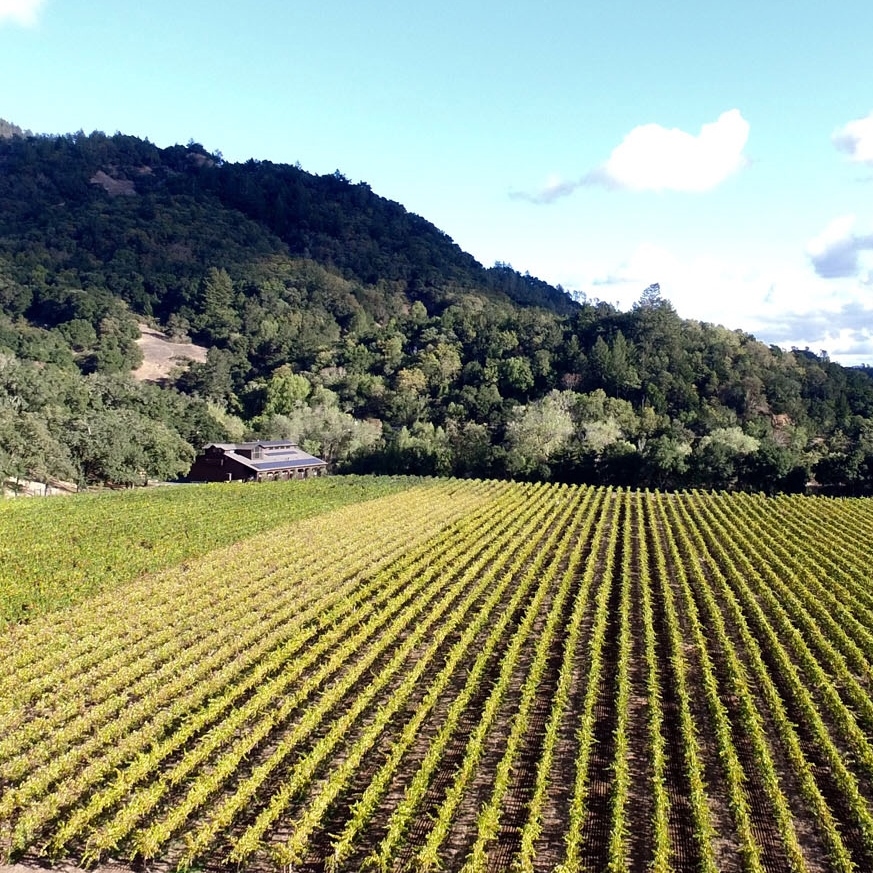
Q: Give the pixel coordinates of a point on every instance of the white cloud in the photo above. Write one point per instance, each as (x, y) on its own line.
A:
(656, 158)
(20, 11)
(788, 305)
(704, 287)
(856, 139)
(836, 252)
(846, 334)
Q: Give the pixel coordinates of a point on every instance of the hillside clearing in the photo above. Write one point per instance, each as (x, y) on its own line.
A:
(161, 355)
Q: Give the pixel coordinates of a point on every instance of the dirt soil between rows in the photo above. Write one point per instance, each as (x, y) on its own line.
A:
(66, 867)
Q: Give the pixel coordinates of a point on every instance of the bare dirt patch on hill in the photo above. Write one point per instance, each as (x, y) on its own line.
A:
(160, 354)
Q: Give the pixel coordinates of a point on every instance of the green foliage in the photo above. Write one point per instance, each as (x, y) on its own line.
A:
(285, 391)
(537, 432)
(322, 429)
(297, 283)
(56, 552)
(101, 429)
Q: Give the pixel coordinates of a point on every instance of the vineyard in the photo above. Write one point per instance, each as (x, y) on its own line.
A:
(54, 553)
(454, 675)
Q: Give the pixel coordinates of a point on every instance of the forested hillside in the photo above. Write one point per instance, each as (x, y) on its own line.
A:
(337, 318)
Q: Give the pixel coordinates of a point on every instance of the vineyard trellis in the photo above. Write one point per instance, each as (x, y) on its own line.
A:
(469, 676)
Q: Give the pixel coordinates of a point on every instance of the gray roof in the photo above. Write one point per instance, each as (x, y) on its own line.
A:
(270, 445)
(277, 455)
(280, 465)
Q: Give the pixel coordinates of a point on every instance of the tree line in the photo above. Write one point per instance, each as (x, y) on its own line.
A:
(336, 318)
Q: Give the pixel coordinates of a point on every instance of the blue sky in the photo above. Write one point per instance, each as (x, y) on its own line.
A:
(722, 150)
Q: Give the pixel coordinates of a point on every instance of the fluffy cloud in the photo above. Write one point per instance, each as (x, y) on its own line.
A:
(847, 327)
(789, 305)
(701, 286)
(856, 139)
(836, 252)
(845, 334)
(656, 158)
(20, 11)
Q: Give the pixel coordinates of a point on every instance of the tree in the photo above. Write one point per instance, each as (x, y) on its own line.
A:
(471, 448)
(29, 449)
(286, 390)
(212, 380)
(847, 465)
(538, 431)
(650, 298)
(516, 377)
(218, 317)
(321, 428)
(775, 468)
(126, 448)
(666, 461)
(621, 375)
(410, 399)
(440, 363)
(718, 457)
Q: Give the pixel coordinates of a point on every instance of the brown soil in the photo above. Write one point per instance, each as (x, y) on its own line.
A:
(36, 866)
(161, 355)
(112, 186)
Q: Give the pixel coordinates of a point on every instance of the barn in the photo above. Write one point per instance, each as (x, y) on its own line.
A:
(260, 461)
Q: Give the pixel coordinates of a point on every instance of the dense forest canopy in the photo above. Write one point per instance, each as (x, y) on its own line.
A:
(336, 318)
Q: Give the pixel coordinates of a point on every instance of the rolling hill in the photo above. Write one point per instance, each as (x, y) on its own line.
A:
(335, 317)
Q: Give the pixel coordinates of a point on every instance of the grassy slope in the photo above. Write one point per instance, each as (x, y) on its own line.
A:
(56, 551)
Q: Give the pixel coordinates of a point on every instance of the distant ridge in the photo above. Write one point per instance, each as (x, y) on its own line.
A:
(333, 317)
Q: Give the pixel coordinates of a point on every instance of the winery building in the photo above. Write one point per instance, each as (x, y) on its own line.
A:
(260, 461)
